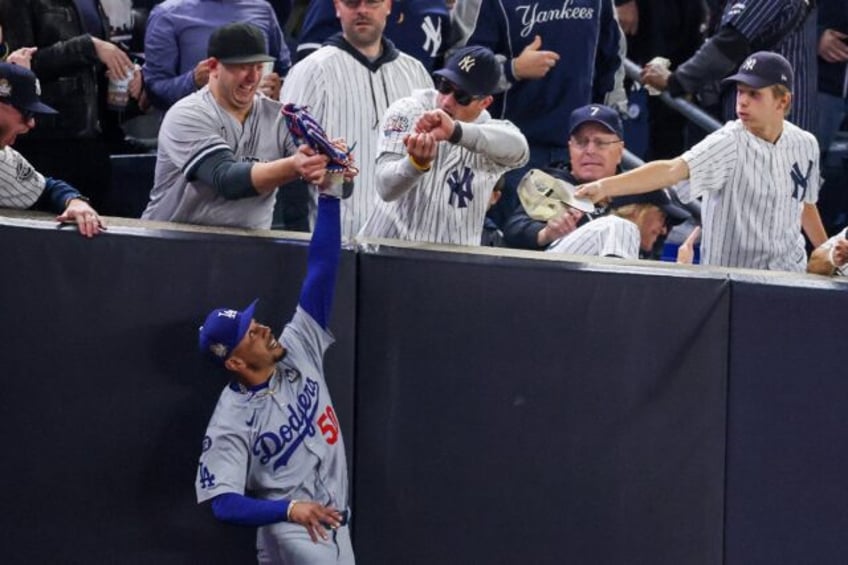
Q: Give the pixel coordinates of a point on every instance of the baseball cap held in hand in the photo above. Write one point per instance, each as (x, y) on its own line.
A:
(762, 69)
(238, 43)
(473, 69)
(20, 88)
(222, 331)
(545, 197)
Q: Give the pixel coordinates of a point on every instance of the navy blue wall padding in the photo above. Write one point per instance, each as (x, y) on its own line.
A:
(105, 397)
(496, 409)
(787, 451)
(520, 412)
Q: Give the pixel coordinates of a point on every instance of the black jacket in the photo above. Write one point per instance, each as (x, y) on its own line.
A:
(66, 64)
(833, 77)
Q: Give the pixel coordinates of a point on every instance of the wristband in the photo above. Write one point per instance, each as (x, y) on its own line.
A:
(830, 257)
(457, 133)
(418, 166)
(77, 197)
(289, 511)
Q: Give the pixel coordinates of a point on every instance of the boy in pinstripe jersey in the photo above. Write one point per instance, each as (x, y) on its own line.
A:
(759, 176)
(440, 154)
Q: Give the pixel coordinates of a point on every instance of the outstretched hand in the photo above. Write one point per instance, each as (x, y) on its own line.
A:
(87, 219)
(310, 165)
(594, 191)
(316, 518)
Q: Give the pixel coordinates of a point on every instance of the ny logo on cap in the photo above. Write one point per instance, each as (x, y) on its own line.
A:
(466, 63)
(749, 64)
(228, 314)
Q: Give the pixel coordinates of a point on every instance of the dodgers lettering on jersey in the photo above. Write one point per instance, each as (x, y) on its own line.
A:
(284, 440)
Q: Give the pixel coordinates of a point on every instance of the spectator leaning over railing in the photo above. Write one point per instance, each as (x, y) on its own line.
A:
(224, 150)
(21, 186)
(759, 176)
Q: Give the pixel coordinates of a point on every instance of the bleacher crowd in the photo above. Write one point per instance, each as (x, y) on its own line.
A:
(470, 122)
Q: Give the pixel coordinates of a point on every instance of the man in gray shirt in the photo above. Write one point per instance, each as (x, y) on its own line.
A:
(225, 149)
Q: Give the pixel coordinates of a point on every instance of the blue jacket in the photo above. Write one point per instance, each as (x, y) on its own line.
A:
(583, 32)
(833, 77)
(419, 28)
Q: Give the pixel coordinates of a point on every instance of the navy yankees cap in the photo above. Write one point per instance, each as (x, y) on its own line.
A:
(473, 69)
(20, 88)
(659, 198)
(222, 331)
(597, 113)
(762, 69)
(238, 43)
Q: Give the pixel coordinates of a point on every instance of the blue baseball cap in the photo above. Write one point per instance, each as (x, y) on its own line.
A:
(222, 331)
(20, 88)
(762, 69)
(473, 69)
(599, 114)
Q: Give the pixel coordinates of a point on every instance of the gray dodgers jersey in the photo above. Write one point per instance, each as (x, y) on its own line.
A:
(20, 184)
(754, 192)
(196, 127)
(607, 236)
(448, 203)
(284, 441)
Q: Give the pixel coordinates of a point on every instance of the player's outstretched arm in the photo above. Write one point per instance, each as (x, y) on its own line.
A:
(648, 177)
(316, 295)
(305, 163)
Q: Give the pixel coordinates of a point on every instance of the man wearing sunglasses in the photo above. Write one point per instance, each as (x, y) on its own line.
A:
(440, 154)
(21, 186)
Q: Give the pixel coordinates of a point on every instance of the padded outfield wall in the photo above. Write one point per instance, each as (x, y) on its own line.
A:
(498, 408)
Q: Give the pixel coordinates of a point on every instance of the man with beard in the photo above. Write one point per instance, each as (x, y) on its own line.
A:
(441, 154)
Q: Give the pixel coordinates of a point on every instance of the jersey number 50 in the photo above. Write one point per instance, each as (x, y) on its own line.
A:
(329, 425)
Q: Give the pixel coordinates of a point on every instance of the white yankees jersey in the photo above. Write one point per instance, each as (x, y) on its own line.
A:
(282, 441)
(20, 184)
(448, 203)
(607, 236)
(197, 127)
(754, 192)
(828, 245)
(348, 99)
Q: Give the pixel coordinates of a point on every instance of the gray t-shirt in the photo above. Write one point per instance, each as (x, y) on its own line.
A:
(196, 128)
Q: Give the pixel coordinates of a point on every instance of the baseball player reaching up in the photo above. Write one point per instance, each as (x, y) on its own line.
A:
(273, 454)
(440, 155)
(759, 176)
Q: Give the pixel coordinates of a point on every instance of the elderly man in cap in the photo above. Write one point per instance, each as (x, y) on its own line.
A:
(595, 149)
(759, 176)
(21, 186)
(225, 149)
(440, 154)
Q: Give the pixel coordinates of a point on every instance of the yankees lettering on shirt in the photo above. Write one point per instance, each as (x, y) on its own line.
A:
(530, 15)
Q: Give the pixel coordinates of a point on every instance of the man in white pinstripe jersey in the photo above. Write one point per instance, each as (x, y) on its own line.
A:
(759, 176)
(440, 154)
(348, 84)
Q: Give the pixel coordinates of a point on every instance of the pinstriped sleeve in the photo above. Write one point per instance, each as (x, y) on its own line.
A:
(711, 163)
(20, 184)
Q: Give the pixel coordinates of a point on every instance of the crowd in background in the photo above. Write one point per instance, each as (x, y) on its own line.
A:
(355, 63)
